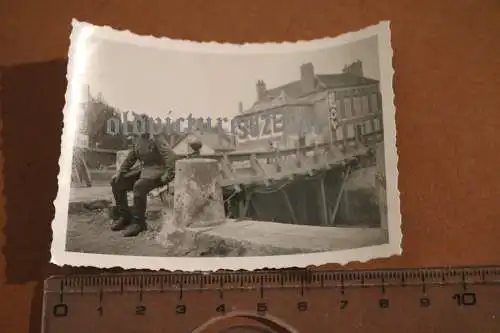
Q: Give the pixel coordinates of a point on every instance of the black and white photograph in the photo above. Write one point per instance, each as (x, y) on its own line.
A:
(196, 156)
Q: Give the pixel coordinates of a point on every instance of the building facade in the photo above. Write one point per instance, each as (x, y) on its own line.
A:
(212, 143)
(297, 113)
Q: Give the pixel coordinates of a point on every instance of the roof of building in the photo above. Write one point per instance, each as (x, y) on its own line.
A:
(292, 93)
(325, 81)
(214, 140)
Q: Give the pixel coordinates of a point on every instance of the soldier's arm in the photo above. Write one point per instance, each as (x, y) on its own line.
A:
(166, 152)
(129, 162)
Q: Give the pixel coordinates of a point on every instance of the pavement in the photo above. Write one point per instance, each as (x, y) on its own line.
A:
(84, 199)
(241, 237)
(263, 238)
(89, 194)
(298, 237)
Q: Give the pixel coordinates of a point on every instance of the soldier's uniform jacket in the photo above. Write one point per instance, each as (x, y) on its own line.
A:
(154, 154)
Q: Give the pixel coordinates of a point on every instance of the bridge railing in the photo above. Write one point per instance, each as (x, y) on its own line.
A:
(265, 166)
(245, 167)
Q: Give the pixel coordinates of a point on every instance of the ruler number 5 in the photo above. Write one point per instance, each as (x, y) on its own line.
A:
(261, 307)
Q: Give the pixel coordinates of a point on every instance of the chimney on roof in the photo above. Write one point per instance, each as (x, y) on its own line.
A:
(261, 90)
(240, 107)
(355, 68)
(307, 78)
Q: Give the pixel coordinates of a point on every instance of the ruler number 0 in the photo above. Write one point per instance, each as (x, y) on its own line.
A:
(467, 299)
(60, 310)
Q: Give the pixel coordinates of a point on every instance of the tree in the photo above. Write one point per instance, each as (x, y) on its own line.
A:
(98, 112)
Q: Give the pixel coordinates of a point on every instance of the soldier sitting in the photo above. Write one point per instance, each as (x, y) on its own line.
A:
(158, 168)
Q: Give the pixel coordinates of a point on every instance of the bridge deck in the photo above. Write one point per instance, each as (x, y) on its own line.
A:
(240, 169)
(262, 167)
(285, 167)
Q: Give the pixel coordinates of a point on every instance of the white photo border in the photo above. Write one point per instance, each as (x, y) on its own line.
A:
(78, 53)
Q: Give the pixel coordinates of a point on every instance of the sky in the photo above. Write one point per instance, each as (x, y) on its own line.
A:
(153, 81)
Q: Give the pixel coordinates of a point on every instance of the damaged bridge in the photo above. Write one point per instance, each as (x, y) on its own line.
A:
(315, 198)
(323, 185)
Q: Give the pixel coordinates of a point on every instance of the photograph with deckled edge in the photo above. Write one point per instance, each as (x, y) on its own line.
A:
(202, 156)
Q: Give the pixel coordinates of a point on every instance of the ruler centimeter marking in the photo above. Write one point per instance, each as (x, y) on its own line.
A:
(261, 280)
(178, 289)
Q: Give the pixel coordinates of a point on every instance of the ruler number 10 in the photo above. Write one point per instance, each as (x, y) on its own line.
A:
(465, 299)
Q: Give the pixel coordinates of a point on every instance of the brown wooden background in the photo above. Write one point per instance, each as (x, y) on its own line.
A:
(447, 86)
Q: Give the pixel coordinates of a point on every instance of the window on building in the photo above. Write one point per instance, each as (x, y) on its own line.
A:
(356, 103)
(350, 131)
(374, 102)
(360, 130)
(339, 132)
(368, 127)
(348, 108)
(376, 124)
(365, 104)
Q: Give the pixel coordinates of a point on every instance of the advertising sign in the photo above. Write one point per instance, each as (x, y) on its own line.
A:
(260, 125)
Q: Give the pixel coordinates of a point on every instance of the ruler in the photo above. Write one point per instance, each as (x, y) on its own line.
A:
(456, 299)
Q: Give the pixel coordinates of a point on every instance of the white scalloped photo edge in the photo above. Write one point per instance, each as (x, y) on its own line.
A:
(81, 52)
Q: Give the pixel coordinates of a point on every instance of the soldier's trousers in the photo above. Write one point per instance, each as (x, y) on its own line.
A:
(140, 188)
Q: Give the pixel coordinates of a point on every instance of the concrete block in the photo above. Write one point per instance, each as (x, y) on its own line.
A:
(198, 201)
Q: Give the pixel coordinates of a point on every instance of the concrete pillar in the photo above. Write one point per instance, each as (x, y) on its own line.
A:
(198, 201)
(197, 195)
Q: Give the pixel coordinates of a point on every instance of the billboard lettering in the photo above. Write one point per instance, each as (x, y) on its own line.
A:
(259, 126)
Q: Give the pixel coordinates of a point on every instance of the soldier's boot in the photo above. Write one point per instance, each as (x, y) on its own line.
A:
(124, 218)
(121, 224)
(138, 223)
